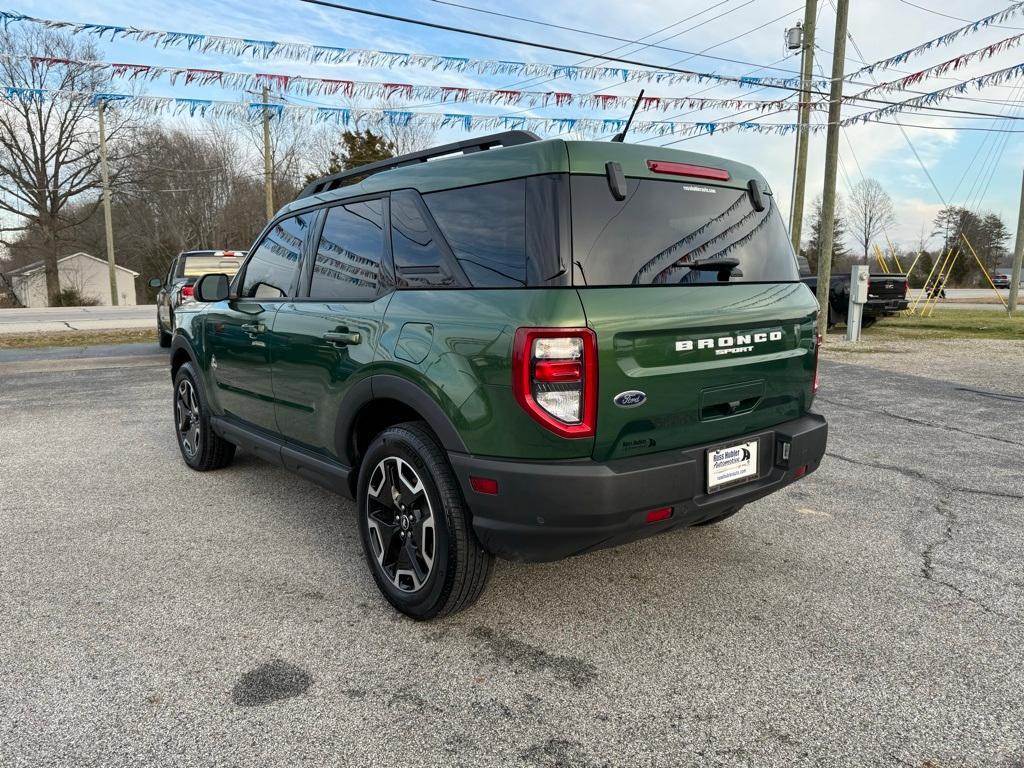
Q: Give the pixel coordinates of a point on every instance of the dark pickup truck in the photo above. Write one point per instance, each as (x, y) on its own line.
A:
(887, 294)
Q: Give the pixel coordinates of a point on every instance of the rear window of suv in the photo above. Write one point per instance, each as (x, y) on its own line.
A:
(199, 264)
(662, 227)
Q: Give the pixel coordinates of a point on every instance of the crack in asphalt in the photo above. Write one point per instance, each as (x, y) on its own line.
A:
(911, 473)
(928, 555)
(947, 515)
(919, 422)
(993, 395)
(916, 475)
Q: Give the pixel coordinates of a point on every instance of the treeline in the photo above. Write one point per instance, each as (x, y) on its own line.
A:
(175, 185)
(957, 235)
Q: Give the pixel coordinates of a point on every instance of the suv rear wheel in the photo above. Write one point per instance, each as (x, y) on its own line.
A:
(200, 447)
(415, 527)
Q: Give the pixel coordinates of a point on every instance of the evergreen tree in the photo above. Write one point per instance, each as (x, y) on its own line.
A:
(357, 148)
(811, 246)
(986, 234)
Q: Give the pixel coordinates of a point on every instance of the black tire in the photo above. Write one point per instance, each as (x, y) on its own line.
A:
(718, 518)
(200, 447)
(419, 520)
(833, 319)
(867, 322)
(164, 336)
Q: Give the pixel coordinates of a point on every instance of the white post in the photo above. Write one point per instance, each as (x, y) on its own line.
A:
(858, 297)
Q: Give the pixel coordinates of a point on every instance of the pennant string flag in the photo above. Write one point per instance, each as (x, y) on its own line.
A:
(320, 86)
(952, 65)
(983, 81)
(943, 40)
(375, 118)
(325, 54)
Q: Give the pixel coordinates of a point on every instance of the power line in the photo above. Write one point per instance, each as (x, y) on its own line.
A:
(955, 18)
(577, 52)
(613, 37)
(736, 37)
(540, 80)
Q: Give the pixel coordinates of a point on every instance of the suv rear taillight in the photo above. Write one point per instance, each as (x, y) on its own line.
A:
(817, 350)
(187, 291)
(554, 378)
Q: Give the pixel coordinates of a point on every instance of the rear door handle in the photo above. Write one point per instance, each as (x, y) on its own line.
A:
(342, 338)
(256, 327)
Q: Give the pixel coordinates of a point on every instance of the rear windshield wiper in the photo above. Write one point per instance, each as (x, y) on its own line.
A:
(714, 265)
(724, 267)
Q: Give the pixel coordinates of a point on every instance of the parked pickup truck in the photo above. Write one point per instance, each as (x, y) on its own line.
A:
(887, 294)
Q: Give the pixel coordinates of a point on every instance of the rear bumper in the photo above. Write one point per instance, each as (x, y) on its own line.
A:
(875, 307)
(551, 510)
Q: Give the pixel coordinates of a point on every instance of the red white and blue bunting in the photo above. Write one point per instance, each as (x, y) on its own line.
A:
(938, 42)
(322, 86)
(952, 65)
(983, 81)
(326, 54)
(360, 118)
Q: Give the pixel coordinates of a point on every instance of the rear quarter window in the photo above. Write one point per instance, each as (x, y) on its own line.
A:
(663, 229)
(485, 226)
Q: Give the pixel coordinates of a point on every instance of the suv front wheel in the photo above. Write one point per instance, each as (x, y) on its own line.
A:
(201, 448)
(415, 527)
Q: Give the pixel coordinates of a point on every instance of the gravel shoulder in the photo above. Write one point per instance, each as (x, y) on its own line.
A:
(992, 364)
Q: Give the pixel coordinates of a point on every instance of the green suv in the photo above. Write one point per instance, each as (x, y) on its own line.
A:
(511, 347)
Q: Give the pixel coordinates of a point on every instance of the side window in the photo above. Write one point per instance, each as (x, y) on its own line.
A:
(486, 228)
(420, 261)
(271, 270)
(350, 252)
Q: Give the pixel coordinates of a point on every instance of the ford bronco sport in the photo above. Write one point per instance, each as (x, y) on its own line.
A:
(527, 349)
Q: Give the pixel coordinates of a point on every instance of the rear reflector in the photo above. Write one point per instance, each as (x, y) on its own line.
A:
(558, 370)
(799, 472)
(685, 169)
(657, 515)
(484, 485)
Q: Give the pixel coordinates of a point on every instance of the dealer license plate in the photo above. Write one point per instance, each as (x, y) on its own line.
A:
(731, 465)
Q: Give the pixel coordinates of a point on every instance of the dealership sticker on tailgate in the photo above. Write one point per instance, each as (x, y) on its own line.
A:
(728, 465)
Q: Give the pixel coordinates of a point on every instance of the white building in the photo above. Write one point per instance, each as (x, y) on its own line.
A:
(86, 274)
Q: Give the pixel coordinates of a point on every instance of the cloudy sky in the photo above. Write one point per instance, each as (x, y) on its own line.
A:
(969, 165)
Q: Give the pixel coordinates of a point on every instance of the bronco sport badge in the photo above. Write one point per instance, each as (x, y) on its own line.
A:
(729, 345)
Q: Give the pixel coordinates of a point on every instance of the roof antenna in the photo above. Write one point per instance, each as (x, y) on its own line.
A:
(621, 137)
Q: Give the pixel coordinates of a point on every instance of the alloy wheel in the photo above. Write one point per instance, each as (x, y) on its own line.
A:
(400, 521)
(186, 411)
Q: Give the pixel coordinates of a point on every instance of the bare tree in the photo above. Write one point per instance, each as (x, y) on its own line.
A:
(48, 142)
(870, 213)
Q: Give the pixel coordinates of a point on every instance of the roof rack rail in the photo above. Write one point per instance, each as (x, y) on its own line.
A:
(505, 139)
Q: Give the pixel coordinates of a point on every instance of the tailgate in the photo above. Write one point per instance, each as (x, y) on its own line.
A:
(711, 362)
(887, 287)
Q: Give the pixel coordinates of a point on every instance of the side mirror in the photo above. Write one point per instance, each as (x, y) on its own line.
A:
(156, 282)
(214, 287)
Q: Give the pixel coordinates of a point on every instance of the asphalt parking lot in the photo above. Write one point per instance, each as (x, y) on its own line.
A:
(870, 615)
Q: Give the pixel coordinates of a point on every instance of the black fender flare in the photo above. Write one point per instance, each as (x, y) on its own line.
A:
(397, 388)
(387, 386)
(180, 343)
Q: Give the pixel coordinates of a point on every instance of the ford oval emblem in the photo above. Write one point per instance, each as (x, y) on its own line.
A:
(630, 398)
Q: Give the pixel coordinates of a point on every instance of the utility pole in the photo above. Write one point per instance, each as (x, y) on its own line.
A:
(268, 169)
(1018, 252)
(828, 194)
(796, 213)
(108, 224)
